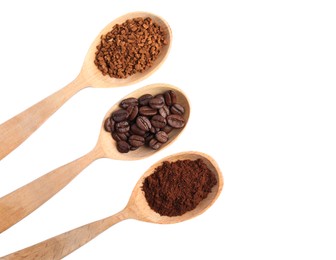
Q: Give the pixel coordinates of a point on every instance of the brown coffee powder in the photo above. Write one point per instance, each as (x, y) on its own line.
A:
(177, 187)
(130, 47)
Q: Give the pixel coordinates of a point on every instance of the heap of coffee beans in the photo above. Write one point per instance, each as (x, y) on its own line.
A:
(130, 47)
(146, 120)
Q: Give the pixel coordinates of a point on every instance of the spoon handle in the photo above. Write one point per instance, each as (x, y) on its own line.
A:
(23, 201)
(16, 130)
(60, 246)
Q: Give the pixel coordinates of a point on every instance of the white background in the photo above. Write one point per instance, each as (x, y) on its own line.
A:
(260, 76)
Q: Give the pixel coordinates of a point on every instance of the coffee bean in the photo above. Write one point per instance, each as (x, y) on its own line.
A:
(133, 148)
(143, 123)
(154, 144)
(148, 138)
(132, 112)
(147, 120)
(136, 140)
(119, 136)
(175, 121)
(136, 130)
(152, 130)
(123, 147)
(170, 97)
(162, 136)
(120, 115)
(160, 96)
(128, 102)
(158, 121)
(122, 127)
(177, 109)
(156, 103)
(109, 124)
(144, 99)
(147, 111)
(167, 129)
(164, 111)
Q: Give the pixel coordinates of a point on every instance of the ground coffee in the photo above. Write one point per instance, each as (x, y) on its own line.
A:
(130, 47)
(146, 120)
(177, 187)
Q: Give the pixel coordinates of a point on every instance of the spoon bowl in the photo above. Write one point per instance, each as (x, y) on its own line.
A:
(17, 129)
(18, 204)
(137, 208)
(140, 208)
(94, 76)
(107, 144)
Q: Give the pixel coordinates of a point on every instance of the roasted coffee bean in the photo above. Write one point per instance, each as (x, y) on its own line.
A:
(136, 140)
(147, 111)
(167, 129)
(154, 144)
(123, 147)
(109, 124)
(144, 99)
(158, 121)
(128, 102)
(160, 96)
(119, 136)
(122, 127)
(148, 138)
(136, 130)
(132, 112)
(170, 97)
(175, 121)
(133, 148)
(143, 123)
(161, 136)
(120, 115)
(152, 130)
(164, 111)
(177, 109)
(156, 103)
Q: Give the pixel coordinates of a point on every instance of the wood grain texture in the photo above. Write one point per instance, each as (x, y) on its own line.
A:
(17, 129)
(137, 208)
(23, 201)
(60, 246)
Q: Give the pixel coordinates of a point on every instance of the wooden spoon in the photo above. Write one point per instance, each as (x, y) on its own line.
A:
(17, 129)
(21, 202)
(137, 208)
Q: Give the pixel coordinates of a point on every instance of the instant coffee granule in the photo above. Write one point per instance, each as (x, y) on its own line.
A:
(130, 47)
(177, 187)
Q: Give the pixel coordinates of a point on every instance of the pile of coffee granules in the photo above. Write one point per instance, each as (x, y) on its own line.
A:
(177, 187)
(130, 47)
(146, 120)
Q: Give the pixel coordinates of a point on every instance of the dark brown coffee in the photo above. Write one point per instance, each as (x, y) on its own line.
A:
(146, 120)
(178, 187)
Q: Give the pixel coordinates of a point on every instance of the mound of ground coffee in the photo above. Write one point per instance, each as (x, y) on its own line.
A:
(146, 120)
(130, 47)
(177, 187)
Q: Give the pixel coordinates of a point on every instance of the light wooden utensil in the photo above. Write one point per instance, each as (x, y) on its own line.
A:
(21, 202)
(137, 208)
(17, 129)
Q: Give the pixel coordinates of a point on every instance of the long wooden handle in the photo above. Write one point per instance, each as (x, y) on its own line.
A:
(23, 201)
(62, 245)
(17, 129)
